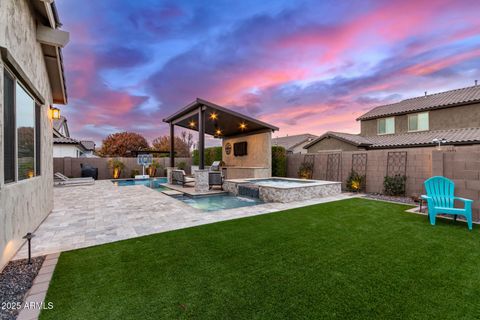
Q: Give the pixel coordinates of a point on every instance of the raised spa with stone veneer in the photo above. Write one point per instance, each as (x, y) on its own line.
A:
(282, 189)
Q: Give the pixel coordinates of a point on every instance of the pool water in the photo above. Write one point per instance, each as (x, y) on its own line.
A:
(280, 182)
(155, 183)
(219, 202)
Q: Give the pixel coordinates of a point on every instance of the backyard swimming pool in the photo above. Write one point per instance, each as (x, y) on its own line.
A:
(205, 203)
(219, 202)
(155, 183)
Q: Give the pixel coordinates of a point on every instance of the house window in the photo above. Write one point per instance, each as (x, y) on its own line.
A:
(386, 125)
(9, 128)
(21, 131)
(418, 122)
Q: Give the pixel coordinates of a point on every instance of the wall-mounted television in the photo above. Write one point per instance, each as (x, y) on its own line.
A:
(240, 149)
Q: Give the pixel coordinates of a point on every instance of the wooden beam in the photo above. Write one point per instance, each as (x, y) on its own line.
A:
(49, 11)
(52, 37)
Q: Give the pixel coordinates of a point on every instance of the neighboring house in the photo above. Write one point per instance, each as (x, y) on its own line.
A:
(31, 81)
(66, 146)
(89, 147)
(295, 143)
(452, 116)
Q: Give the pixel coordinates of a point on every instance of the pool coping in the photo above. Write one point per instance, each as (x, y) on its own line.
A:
(310, 183)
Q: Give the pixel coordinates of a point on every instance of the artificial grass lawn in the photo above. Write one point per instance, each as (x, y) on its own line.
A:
(354, 258)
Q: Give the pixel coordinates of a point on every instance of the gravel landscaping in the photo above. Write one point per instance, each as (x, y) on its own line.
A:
(15, 280)
(378, 196)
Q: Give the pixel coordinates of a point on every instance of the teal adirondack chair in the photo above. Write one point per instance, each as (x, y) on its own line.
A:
(441, 199)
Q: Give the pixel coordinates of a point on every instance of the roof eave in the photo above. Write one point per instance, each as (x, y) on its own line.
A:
(200, 102)
(463, 103)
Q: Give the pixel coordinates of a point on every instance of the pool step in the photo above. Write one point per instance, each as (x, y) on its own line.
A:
(172, 193)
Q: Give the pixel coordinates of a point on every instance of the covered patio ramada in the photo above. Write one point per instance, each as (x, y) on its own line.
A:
(246, 142)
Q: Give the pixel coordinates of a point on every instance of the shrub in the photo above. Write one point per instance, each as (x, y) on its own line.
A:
(182, 165)
(279, 162)
(134, 172)
(355, 182)
(211, 154)
(306, 170)
(394, 186)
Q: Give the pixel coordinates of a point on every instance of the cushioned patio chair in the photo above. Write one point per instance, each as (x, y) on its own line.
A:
(179, 177)
(441, 200)
(63, 180)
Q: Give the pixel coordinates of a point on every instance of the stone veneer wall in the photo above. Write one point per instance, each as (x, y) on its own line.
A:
(24, 204)
(71, 166)
(285, 195)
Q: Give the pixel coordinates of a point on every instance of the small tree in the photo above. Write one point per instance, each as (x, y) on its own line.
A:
(182, 145)
(120, 143)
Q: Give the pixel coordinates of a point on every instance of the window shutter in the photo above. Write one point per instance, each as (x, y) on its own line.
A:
(9, 128)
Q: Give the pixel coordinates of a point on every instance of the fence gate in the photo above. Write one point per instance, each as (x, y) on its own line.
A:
(333, 167)
(397, 163)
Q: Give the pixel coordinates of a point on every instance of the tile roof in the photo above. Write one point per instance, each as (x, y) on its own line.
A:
(289, 142)
(88, 145)
(354, 139)
(429, 102)
(65, 140)
(452, 136)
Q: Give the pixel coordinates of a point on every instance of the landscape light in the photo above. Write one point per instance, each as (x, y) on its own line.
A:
(55, 113)
(29, 237)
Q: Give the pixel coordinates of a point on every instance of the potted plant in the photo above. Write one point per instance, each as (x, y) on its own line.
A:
(152, 168)
(117, 167)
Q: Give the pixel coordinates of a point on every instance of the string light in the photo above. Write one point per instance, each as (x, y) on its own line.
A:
(191, 124)
(213, 116)
(243, 126)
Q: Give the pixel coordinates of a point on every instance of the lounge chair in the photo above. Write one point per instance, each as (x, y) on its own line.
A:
(441, 200)
(179, 177)
(63, 180)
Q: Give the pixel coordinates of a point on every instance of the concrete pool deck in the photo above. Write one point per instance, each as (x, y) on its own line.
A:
(85, 216)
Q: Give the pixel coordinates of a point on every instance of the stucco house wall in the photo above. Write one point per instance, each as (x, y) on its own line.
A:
(258, 161)
(24, 204)
(66, 150)
(447, 118)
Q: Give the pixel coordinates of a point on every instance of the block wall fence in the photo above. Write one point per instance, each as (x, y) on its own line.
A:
(71, 166)
(460, 163)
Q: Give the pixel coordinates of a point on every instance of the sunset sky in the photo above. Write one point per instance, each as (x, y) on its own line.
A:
(304, 66)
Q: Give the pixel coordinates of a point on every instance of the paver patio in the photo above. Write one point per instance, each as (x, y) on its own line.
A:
(101, 213)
